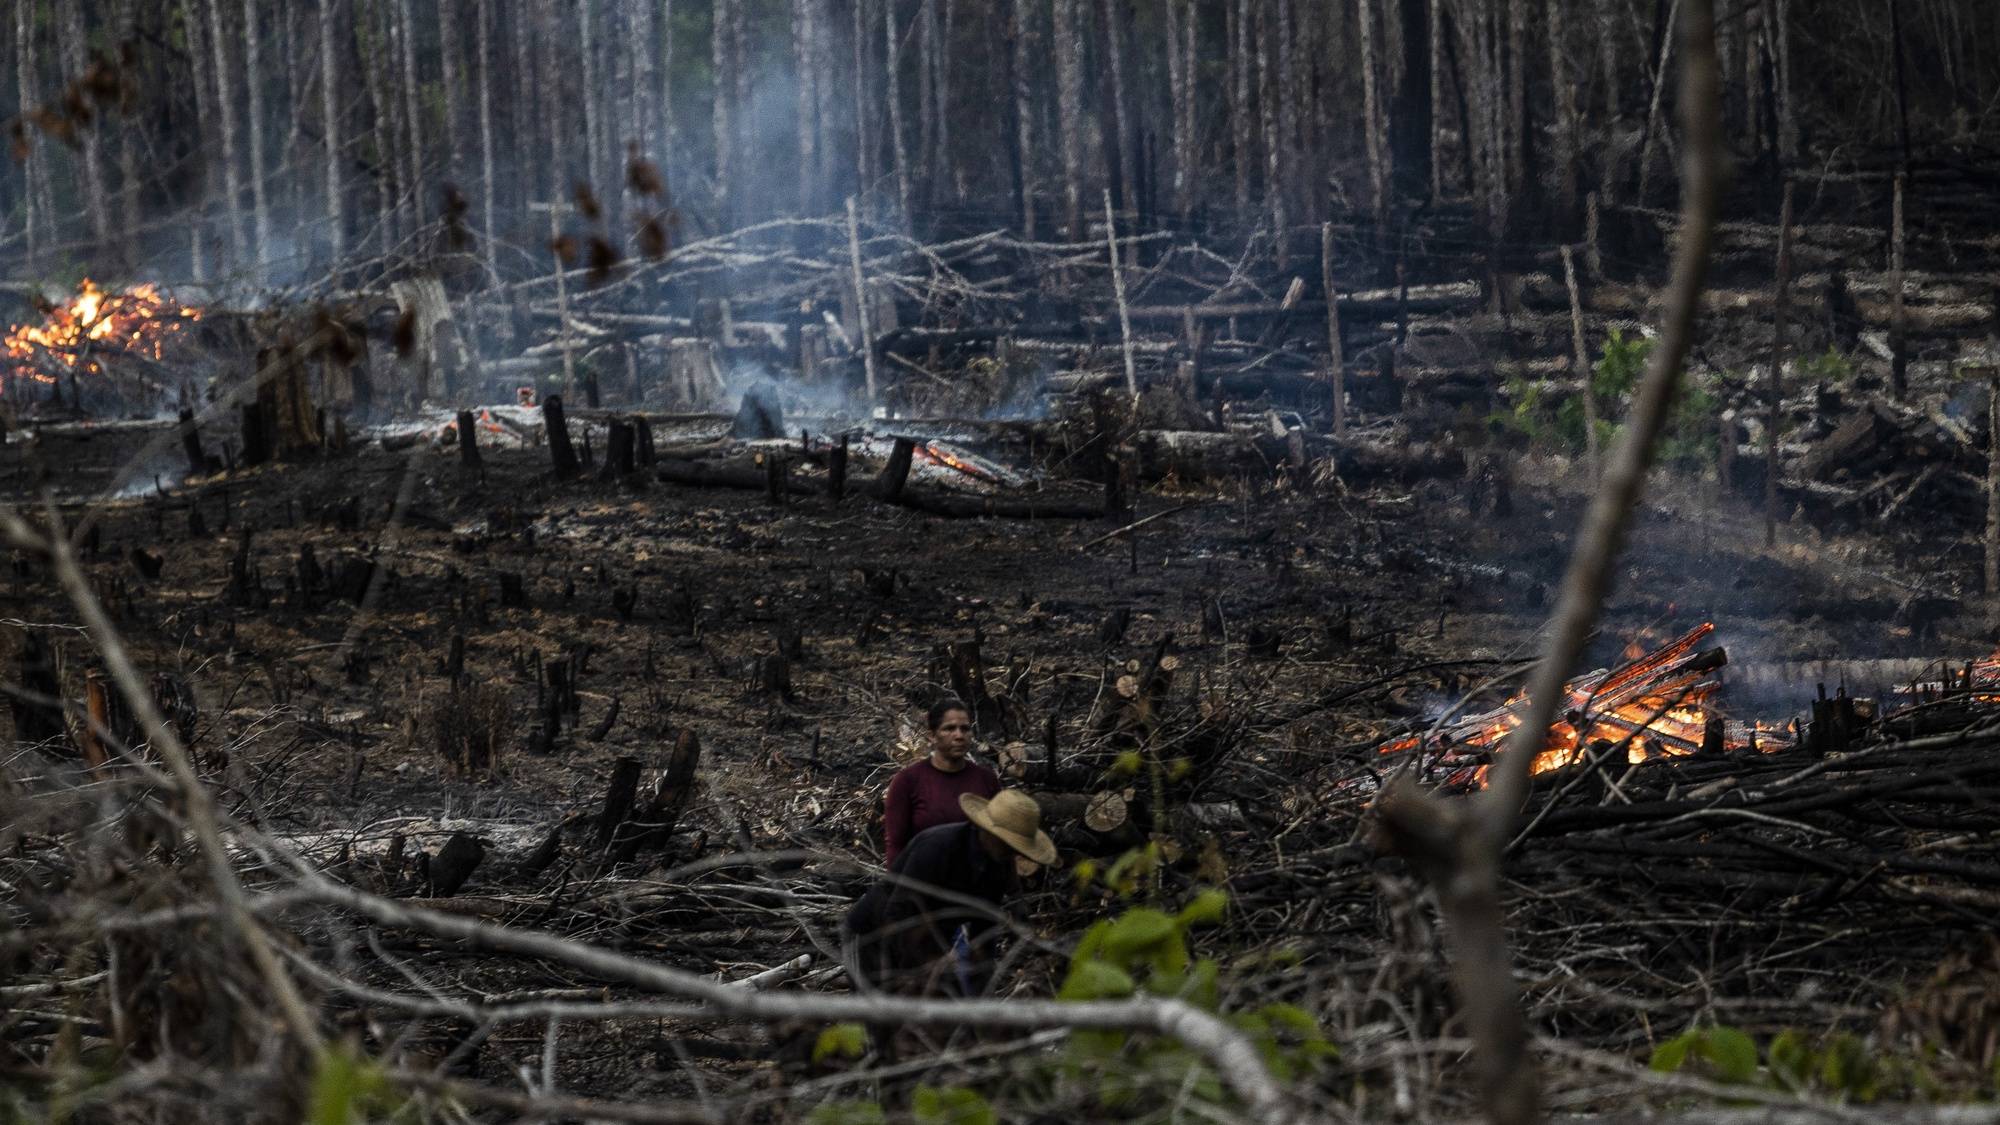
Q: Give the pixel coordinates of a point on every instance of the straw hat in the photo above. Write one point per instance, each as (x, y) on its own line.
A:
(1015, 818)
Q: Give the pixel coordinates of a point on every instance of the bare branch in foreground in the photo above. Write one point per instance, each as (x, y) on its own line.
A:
(1234, 1057)
(1460, 850)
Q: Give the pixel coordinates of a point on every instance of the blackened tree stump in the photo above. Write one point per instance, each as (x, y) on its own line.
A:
(562, 454)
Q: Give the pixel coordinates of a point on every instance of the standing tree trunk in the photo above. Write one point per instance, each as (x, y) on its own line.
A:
(450, 52)
(1371, 110)
(943, 60)
(723, 61)
(1567, 128)
(260, 204)
(225, 102)
(1518, 132)
(1123, 163)
(593, 115)
(35, 214)
(484, 31)
(1237, 15)
(864, 139)
(386, 176)
(1788, 122)
(928, 161)
(1180, 83)
(1267, 122)
(76, 62)
(329, 112)
(1069, 110)
(1899, 352)
(892, 83)
(1410, 119)
(805, 52)
(1020, 56)
(1607, 50)
(406, 36)
(1774, 389)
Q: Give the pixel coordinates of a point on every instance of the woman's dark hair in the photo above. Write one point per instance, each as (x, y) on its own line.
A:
(944, 707)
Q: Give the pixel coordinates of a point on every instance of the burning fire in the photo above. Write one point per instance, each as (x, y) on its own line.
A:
(1654, 704)
(138, 320)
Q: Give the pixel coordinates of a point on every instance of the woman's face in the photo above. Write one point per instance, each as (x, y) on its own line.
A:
(953, 737)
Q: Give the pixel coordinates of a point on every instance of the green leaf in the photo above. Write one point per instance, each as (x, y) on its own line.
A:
(1138, 931)
(952, 1105)
(1204, 909)
(1669, 1057)
(1790, 1057)
(345, 1087)
(1096, 980)
(1292, 1018)
(1733, 1053)
(842, 1040)
(1126, 764)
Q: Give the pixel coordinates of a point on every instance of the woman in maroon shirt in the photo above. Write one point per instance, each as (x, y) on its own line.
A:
(925, 794)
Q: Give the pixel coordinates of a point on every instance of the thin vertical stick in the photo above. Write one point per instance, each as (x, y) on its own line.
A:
(1118, 288)
(1774, 388)
(860, 298)
(562, 302)
(1590, 452)
(1593, 257)
(1992, 486)
(1336, 357)
(1899, 360)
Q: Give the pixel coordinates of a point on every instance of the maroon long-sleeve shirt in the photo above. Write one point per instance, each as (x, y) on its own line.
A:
(924, 796)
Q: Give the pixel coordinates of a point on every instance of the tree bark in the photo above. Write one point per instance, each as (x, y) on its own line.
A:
(75, 62)
(1774, 388)
(1371, 110)
(1020, 57)
(37, 216)
(805, 52)
(406, 29)
(488, 248)
(260, 203)
(1567, 123)
(450, 58)
(1237, 16)
(1069, 109)
(225, 102)
(892, 78)
(722, 59)
(329, 113)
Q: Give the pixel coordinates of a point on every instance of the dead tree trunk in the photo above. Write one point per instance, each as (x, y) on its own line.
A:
(562, 454)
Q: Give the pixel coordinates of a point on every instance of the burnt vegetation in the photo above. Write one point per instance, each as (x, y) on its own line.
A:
(1478, 522)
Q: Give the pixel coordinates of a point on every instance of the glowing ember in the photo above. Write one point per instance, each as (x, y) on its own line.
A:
(1654, 705)
(97, 323)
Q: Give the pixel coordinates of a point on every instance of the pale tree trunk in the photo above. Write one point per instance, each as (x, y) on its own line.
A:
(128, 150)
(260, 203)
(864, 136)
(1237, 14)
(387, 172)
(1125, 158)
(36, 214)
(329, 112)
(484, 31)
(593, 104)
(645, 88)
(525, 104)
(805, 48)
(225, 101)
(1434, 36)
(1267, 121)
(1371, 110)
(721, 59)
(927, 108)
(1069, 109)
(75, 62)
(1607, 48)
(406, 29)
(1287, 144)
(892, 81)
(1517, 98)
(669, 133)
(954, 170)
(1567, 128)
(555, 131)
(1177, 87)
(449, 52)
(1021, 52)
(204, 102)
(1788, 124)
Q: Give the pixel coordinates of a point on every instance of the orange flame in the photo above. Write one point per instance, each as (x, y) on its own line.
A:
(138, 320)
(1653, 704)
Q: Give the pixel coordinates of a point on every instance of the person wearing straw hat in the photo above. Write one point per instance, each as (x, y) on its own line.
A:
(919, 927)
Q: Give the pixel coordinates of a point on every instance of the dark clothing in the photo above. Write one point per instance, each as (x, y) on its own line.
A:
(898, 927)
(923, 796)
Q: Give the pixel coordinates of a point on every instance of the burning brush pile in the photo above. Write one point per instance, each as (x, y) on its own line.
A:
(91, 334)
(1659, 704)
